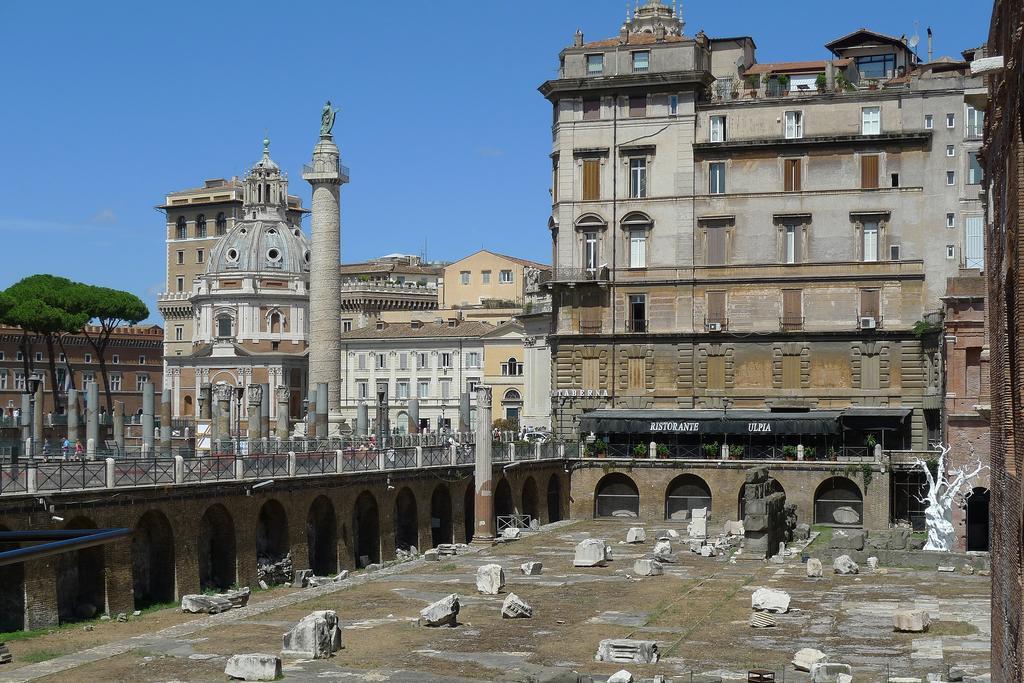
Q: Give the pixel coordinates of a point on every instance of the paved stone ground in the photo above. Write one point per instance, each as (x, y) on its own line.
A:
(697, 612)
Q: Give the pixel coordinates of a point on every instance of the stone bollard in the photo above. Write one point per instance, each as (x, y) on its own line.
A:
(110, 473)
(800, 452)
(878, 452)
(291, 463)
(339, 461)
(419, 456)
(652, 450)
(536, 451)
(30, 479)
(179, 469)
(90, 449)
(454, 453)
(239, 467)
(511, 452)
(725, 451)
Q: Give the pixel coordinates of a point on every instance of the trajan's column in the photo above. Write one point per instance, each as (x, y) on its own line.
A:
(326, 175)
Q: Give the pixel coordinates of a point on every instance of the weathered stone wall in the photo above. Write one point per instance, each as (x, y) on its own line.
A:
(181, 509)
(725, 481)
(1003, 156)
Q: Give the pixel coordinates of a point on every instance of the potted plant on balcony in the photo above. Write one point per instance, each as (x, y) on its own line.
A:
(789, 452)
(736, 451)
(640, 451)
(662, 451)
(821, 82)
(712, 450)
(842, 84)
(784, 84)
(600, 448)
(809, 452)
(735, 87)
(872, 84)
(753, 84)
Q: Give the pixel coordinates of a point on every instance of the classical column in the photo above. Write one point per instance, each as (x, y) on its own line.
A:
(283, 407)
(92, 418)
(362, 418)
(165, 423)
(215, 435)
(265, 411)
(321, 409)
(311, 415)
(148, 399)
(72, 416)
(37, 419)
(26, 422)
(255, 423)
(484, 498)
(464, 413)
(118, 420)
(414, 416)
(223, 392)
(206, 404)
(326, 175)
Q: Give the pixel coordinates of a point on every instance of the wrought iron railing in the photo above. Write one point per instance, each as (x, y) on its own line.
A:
(60, 476)
(143, 472)
(260, 466)
(399, 458)
(315, 463)
(198, 470)
(434, 456)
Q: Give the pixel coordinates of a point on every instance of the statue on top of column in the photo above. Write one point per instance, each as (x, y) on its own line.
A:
(327, 119)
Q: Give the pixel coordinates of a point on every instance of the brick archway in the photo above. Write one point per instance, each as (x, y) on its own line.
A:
(153, 560)
(216, 549)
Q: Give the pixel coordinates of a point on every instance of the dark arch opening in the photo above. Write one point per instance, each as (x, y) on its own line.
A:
(271, 533)
(469, 509)
(152, 560)
(406, 520)
(12, 592)
(366, 527)
(838, 502)
(441, 516)
(977, 520)
(554, 499)
(322, 537)
(531, 504)
(503, 505)
(81, 585)
(216, 549)
(616, 496)
(741, 500)
(686, 493)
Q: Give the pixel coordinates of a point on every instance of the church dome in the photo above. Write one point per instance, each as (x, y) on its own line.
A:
(262, 240)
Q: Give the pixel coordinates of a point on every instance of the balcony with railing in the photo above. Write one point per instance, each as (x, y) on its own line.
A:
(574, 276)
(321, 169)
(791, 323)
(637, 326)
(590, 327)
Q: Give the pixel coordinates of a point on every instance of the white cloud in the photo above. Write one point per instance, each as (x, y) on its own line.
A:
(104, 217)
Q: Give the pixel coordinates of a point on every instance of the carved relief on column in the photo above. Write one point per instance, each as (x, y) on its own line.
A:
(483, 397)
(283, 394)
(223, 391)
(255, 392)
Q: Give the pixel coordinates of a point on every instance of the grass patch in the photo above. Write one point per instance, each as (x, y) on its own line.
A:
(823, 538)
(951, 628)
(158, 606)
(447, 567)
(11, 636)
(36, 656)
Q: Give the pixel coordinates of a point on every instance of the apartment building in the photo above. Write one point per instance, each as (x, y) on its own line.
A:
(756, 244)
(436, 362)
(392, 288)
(134, 357)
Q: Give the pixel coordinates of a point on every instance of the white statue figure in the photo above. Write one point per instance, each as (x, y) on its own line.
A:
(945, 488)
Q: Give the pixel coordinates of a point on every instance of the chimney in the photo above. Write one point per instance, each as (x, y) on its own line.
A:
(415, 324)
(381, 324)
(929, 44)
(578, 40)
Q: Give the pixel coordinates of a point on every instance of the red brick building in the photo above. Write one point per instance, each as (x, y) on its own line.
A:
(1003, 155)
(134, 356)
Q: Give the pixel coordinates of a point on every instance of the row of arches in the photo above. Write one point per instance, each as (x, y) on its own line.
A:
(82, 575)
(838, 501)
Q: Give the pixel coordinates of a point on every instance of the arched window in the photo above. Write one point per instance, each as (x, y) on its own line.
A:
(224, 326)
(275, 322)
(222, 224)
(838, 502)
(590, 226)
(512, 368)
(181, 230)
(686, 493)
(200, 225)
(616, 496)
(259, 194)
(636, 227)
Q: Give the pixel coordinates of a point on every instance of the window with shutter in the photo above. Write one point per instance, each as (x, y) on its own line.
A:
(791, 243)
(591, 179)
(791, 372)
(792, 309)
(869, 172)
(716, 245)
(974, 248)
(591, 109)
(716, 372)
(793, 181)
(870, 303)
(716, 307)
(638, 105)
(636, 373)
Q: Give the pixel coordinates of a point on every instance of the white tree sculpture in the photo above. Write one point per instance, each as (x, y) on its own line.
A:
(945, 488)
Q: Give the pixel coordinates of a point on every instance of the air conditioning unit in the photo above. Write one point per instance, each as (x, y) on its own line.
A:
(867, 323)
(714, 327)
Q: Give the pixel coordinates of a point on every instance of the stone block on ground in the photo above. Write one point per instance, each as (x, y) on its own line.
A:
(707, 551)
(648, 568)
(829, 672)
(316, 636)
(621, 676)
(446, 549)
(589, 553)
(627, 650)
(511, 533)
(342, 575)
(636, 534)
(531, 568)
(872, 563)
(762, 620)
(515, 607)
(802, 532)
(535, 525)
(302, 577)
(666, 534)
(911, 620)
(444, 612)
(734, 528)
(431, 555)
(205, 604)
(5, 654)
(490, 579)
(770, 600)
(807, 657)
(698, 527)
(847, 539)
(814, 568)
(238, 598)
(254, 667)
(662, 547)
(845, 565)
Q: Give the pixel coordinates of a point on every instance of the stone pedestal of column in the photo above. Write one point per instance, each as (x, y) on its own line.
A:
(265, 411)
(483, 530)
(73, 418)
(148, 400)
(165, 423)
(92, 418)
(255, 422)
(223, 393)
(283, 408)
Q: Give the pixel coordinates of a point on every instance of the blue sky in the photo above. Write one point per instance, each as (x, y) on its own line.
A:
(109, 105)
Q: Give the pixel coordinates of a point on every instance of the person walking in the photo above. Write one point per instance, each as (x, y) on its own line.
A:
(65, 447)
(79, 451)
(46, 450)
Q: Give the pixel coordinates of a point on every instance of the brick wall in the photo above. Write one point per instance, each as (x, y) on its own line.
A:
(1003, 156)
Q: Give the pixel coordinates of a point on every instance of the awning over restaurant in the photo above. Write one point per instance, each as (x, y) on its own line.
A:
(871, 417)
(681, 422)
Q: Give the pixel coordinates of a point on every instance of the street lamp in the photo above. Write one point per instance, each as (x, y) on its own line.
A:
(33, 386)
(239, 393)
(726, 402)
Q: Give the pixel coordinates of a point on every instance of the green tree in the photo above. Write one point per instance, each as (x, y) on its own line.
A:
(106, 309)
(43, 307)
